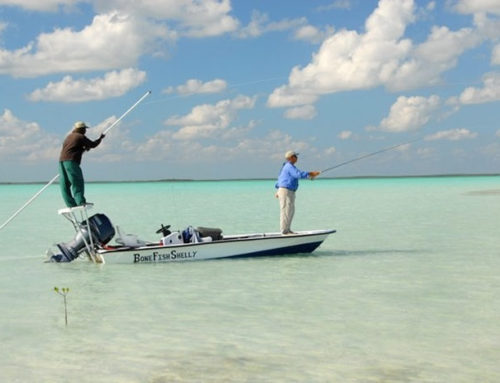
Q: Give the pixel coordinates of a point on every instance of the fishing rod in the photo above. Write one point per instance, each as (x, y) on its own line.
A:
(370, 154)
(57, 176)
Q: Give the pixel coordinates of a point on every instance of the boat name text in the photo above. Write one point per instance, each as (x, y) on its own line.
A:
(159, 257)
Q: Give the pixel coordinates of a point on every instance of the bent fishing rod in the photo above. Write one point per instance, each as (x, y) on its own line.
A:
(370, 154)
(57, 176)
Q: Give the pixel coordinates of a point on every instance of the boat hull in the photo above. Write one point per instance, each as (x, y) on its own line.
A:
(237, 246)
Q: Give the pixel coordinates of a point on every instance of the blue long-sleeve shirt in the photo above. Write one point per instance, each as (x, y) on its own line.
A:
(289, 177)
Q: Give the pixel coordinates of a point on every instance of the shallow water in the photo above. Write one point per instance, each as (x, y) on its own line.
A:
(406, 290)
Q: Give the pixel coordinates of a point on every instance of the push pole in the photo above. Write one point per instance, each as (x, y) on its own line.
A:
(56, 176)
(28, 202)
(127, 112)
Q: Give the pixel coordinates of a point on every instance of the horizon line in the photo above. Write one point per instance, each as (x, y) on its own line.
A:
(262, 179)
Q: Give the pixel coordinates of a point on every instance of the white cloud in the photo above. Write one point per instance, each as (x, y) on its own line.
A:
(488, 93)
(113, 84)
(304, 112)
(478, 6)
(272, 146)
(487, 26)
(349, 60)
(345, 135)
(336, 4)
(436, 55)
(260, 24)
(452, 135)
(195, 18)
(312, 34)
(409, 113)
(238, 132)
(41, 5)
(25, 141)
(194, 86)
(286, 96)
(495, 57)
(208, 120)
(329, 151)
(92, 48)
(117, 145)
(403, 148)
(380, 56)
(426, 152)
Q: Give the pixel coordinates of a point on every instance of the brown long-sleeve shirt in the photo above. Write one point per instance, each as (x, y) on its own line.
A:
(74, 145)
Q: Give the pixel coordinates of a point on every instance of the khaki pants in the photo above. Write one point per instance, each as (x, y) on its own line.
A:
(287, 209)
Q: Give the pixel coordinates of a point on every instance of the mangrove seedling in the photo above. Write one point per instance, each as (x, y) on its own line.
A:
(63, 291)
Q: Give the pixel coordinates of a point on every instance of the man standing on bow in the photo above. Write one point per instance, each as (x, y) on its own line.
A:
(70, 173)
(287, 185)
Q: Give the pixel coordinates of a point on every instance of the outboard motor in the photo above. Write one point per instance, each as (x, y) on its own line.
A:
(102, 232)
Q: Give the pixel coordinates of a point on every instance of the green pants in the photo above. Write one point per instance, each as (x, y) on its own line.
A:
(71, 180)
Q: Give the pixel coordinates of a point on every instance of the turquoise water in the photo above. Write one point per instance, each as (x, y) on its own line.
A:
(406, 290)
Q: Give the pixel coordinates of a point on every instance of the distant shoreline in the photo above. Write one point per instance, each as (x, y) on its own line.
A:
(261, 179)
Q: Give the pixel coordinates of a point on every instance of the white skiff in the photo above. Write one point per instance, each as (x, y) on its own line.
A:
(231, 246)
(94, 233)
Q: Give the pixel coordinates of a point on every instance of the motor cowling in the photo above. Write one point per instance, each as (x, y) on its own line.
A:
(101, 229)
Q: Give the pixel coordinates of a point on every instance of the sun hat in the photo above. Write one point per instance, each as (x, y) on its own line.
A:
(290, 153)
(80, 125)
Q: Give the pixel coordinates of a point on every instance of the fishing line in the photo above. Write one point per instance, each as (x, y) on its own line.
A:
(175, 97)
(229, 87)
(371, 154)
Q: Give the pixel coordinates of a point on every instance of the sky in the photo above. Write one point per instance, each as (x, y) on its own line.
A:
(237, 83)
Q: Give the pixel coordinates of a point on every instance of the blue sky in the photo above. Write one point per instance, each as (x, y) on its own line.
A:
(235, 84)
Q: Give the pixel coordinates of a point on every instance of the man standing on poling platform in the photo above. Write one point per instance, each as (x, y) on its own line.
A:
(70, 173)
